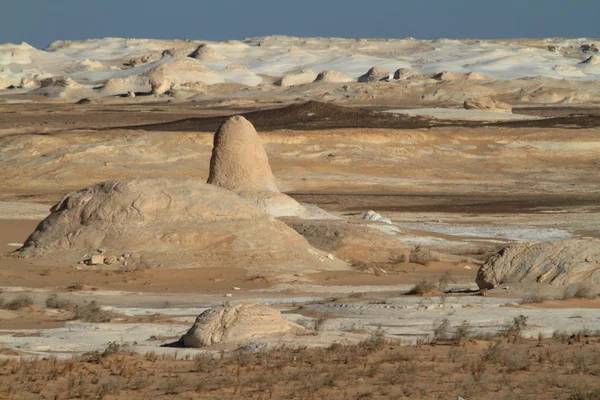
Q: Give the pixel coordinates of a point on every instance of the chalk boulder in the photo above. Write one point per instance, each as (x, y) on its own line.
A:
(235, 324)
(561, 262)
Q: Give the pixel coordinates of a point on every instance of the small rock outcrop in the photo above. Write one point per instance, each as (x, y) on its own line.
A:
(333, 77)
(180, 71)
(488, 105)
(298, 78)
(206, 52)
(561, 262)
(405, 73)
(239, 163)
(235, 324)
(592, 60)
(459, 76)
(375, 74)
(374, 216)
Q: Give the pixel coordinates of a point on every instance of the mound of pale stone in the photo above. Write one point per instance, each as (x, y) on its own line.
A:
(170, 223)
(333, 77)
(456, 76)
(239, 163)
(352, 241)
(557, 263)
(406, 73)
(375, 74)
(487, 105)
(542, 96)
(298, 78)
(61, 87)
(206, 52)
(116, 86)
(592, 60)
(234, 324)
(375, 216)
(178, 72)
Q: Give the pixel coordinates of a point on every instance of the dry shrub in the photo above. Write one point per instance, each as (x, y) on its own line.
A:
(91, 312)
(445, 280)
(18, 303)
(581, 291)
(60, 304)
(397, 259)
(421, 255)
(422, 287)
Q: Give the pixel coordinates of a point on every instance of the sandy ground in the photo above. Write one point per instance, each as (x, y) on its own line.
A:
(462, 188)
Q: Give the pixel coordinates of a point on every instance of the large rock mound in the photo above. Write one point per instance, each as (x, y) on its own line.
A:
(557, 263)
(173, 223)
(234, 324)
(239, 163)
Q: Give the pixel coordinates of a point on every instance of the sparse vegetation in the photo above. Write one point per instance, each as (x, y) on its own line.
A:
(91, 312)
(375, 368)
(580, 291)
(422, 287)
(462, 332)
(441, 330)
(55, 302)
(445, 280)
(534, 298)
(515, 328)
(79, 285)
(17, 303)
(421, 255)
(397, 259)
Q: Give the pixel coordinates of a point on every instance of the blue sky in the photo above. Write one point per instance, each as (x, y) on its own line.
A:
(39, 22)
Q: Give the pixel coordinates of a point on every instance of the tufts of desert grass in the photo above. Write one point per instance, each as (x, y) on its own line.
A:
(17, 303)
(92, 312)
(53, 301)
(423, 287)
(422, 256)
(580, 291)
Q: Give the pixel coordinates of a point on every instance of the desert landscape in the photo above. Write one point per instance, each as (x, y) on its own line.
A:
(300, 218)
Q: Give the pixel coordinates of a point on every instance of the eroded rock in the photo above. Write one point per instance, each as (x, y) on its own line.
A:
(236, 324)
(561, 262)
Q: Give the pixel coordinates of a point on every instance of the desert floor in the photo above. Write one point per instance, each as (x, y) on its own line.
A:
(462, 188)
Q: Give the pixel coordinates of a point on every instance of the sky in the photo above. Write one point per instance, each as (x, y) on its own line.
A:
(40, 22)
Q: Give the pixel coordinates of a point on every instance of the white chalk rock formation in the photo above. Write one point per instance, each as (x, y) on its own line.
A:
(373, 216)
(405, 74)
(459, 76)
(375, 74)
(180, 71)
(235, 324)
(333, 77)
(239, 163)
(557, 263)
(487, 105)
(206, 52)
(61, 87)
(173, 223)
(298, 78)
(124, 85)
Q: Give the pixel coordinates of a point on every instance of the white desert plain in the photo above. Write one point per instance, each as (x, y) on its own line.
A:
(300, 218)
